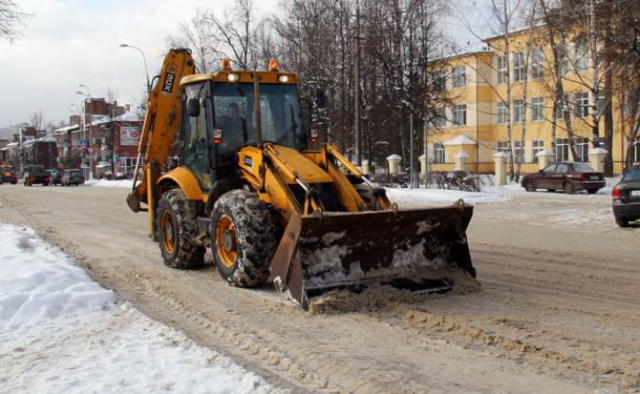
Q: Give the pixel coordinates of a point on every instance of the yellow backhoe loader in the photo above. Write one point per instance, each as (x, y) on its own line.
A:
(273, 203)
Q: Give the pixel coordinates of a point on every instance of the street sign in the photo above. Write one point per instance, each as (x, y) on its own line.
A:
(84, 143)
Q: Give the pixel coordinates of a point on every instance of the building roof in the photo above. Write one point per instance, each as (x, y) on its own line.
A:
(462, 139)
(129, 117)
(66, 128)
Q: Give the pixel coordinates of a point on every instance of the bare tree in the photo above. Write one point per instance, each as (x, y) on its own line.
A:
(236, 33)
(38, 121)
(11, 15)
(198, 35)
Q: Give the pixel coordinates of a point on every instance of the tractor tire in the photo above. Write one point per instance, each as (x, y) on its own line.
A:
(242, 238)
(177, 228)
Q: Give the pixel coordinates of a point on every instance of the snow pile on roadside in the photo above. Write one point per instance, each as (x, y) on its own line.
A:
(416, 198)
(124, 183)
(61, 332)
(38, 283)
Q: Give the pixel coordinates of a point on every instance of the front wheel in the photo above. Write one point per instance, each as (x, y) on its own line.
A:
(529, 187)
(177, 229)
(592, 191)
(242, 238)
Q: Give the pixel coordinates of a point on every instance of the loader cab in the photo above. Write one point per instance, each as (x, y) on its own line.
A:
(219, 119)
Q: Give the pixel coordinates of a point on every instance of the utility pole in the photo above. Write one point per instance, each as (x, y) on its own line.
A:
(357, 87)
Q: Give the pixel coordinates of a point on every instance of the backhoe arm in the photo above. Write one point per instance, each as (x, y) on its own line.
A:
(161, 123)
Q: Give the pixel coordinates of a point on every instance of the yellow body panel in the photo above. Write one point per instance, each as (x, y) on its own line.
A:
(187, 182)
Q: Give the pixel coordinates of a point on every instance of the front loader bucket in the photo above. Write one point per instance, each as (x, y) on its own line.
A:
(415, 249)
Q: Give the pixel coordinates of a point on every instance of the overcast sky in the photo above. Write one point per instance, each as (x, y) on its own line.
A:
(70, 42)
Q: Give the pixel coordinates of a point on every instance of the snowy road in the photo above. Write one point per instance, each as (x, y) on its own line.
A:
(558, 312)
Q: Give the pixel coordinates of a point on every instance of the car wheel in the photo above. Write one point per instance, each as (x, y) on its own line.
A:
(592, 191)
(529, 187)
(569, 188)
(622, 222)
(551, 190)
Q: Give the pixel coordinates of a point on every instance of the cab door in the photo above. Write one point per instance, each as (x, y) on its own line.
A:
(195, 136)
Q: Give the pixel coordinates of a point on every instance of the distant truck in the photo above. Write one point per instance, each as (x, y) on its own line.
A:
(8, 174)
(36, 174)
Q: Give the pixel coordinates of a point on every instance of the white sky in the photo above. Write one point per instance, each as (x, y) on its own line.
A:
(70, 42)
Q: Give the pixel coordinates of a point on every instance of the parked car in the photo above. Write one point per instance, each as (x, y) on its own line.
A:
(72, 177)
(56, 176)
(35, 174)
(626, 197)
(569, 177)
(8, 175)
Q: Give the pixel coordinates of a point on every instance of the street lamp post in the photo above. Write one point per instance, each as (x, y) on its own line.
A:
(144, 59)
(87, 96)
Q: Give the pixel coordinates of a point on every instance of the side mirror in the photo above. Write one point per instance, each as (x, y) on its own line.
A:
(194, 107)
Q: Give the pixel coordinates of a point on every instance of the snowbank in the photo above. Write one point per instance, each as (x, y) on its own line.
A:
(415, 198)
(125, 183)
(60, 332)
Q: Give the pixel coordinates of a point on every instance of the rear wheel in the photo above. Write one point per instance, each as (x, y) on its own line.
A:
(529, 187)
(622, 222)
(177, 229)
(242, 238)
(569, 188)
(592, 191)
(551, 190)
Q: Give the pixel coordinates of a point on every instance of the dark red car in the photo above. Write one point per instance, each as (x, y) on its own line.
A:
(569, 177)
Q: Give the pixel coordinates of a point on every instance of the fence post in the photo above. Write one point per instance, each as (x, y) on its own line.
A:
(596, 158)
(545, 158)
(461, 161)
(423, 167)
(394, 164)
(500, 160)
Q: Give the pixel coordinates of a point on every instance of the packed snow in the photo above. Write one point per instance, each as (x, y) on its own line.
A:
(60, 332)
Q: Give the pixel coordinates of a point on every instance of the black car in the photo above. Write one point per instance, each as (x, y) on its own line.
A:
(36, 174)
(56, 176)
(72, 177)
(626, 197)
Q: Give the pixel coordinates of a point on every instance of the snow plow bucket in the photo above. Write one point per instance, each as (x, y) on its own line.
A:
(417, 249)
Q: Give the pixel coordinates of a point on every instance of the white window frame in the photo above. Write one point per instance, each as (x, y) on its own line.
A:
(581, 55)
(439, 153)
(502, 70)
(459, 77)
(563, 59)
(537, 146)
(440, 117)
(502, 113)
(537, 109)
(518, 67)
(537, 63)
(582, 148)
(460, 111)
(518, 111)
(581, 102)
(439, 81)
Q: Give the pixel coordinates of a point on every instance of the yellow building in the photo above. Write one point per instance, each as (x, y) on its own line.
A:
(477, 121)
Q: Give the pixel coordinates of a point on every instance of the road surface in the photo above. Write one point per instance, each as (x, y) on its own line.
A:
(558, 311)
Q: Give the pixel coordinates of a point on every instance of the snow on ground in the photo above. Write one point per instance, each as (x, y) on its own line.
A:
(60, 332)
(127, 183)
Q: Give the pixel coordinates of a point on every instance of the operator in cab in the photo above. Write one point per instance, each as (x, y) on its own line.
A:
(234, 129)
